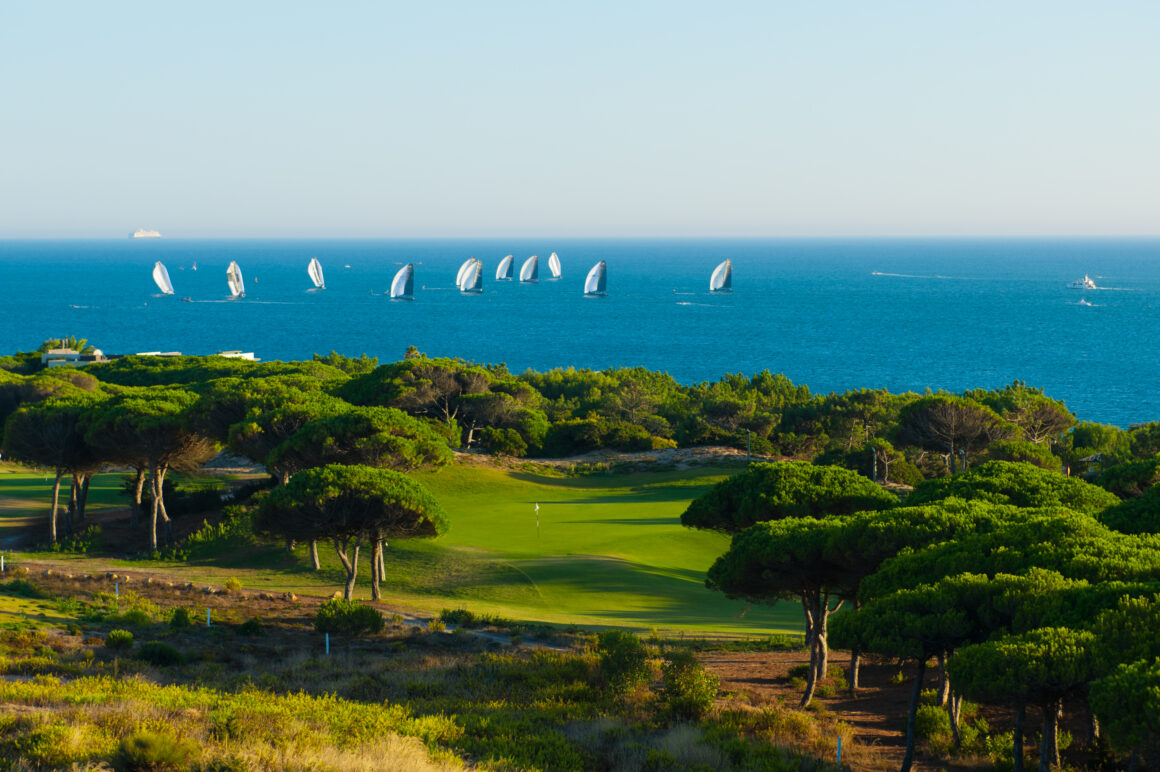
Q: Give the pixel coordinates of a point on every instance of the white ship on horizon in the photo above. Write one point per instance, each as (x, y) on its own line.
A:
(142, 233)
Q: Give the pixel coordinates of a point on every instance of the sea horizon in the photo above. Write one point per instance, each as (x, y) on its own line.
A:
(831, 313)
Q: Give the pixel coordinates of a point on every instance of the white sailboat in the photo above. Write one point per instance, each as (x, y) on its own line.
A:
(530, 270)
(463, 271)
(722, 278)
(1085, 283)
(503, 271)
(314, 270)
(161, 276)
(594, 284)
(403, 285)
(234, 279)
(473, 279)
(554, 265)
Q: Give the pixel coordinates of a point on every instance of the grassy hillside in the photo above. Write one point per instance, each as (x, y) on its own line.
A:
(609, 551)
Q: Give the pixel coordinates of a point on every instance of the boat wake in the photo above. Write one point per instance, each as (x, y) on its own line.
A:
(921, 276)
(691, 303)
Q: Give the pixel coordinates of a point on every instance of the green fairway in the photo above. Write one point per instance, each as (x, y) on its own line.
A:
(609, 551)
(26, 495)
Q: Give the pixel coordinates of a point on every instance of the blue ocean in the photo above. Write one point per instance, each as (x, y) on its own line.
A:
(905, 314)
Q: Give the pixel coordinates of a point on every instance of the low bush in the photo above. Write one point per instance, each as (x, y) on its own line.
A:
(932, 723)
(22, 588)
(233, 584)
(623, 662)
(153, 752)
(689, 689)
(160, 654)
(119, 640)
(347, 618)
(250, 627)
(180, 618)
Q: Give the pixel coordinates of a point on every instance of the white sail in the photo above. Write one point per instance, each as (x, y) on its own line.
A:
(463, 272)
(473, 279)
(234, 279)
(161, 276)
(554, 265)
(403, 285)
(504, 271)
(722, 278)
(594, 284)
(530, 270)
(315, 272)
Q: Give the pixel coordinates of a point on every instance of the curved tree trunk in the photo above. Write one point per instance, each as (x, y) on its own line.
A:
(136, 510)
(314, 555)
(161, 504)
(349, 562)
(915, 696)
(55, 504)
(155, 509)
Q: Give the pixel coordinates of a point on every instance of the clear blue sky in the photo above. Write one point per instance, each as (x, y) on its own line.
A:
(384, 119)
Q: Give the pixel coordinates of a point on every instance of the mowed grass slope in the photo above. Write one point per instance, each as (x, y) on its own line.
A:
(26, 495)
(609, 551)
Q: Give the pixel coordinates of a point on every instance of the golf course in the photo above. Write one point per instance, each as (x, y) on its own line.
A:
(535, 546)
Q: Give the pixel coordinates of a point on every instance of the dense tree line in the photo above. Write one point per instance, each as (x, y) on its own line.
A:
(1025, 587)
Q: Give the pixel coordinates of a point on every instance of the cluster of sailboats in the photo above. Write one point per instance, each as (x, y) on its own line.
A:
(468, 280)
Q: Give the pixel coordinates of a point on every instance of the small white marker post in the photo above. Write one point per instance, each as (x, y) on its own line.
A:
(1, 563)
(327, 644)
(537, 519)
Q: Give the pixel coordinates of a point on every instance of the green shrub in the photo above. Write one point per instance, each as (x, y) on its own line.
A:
(347, 618)
(233, 584)
(180, 618)
(88, 540)
(933, 724)
(623, 662)
(250, 627)
(504, 442)
(153, 752)
(134, 617)
(689, 689)
(799, 671)
(119, 640)
(23, 588)
(160, 654)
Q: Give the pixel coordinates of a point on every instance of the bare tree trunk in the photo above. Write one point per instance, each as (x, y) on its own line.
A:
(954, 708)
(1049, 746)
(289, 545)
(822, 633)
(350, 563)
(382, 560)
(71, 520)
(155, 509)
(376, 568)
(135, 511)
(1017, 737)
(83, 501)
(55, 504)
(915, 695)
(855, 667)
(161, 504)
(1093, 726)
(314, 555)
(944, 683)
